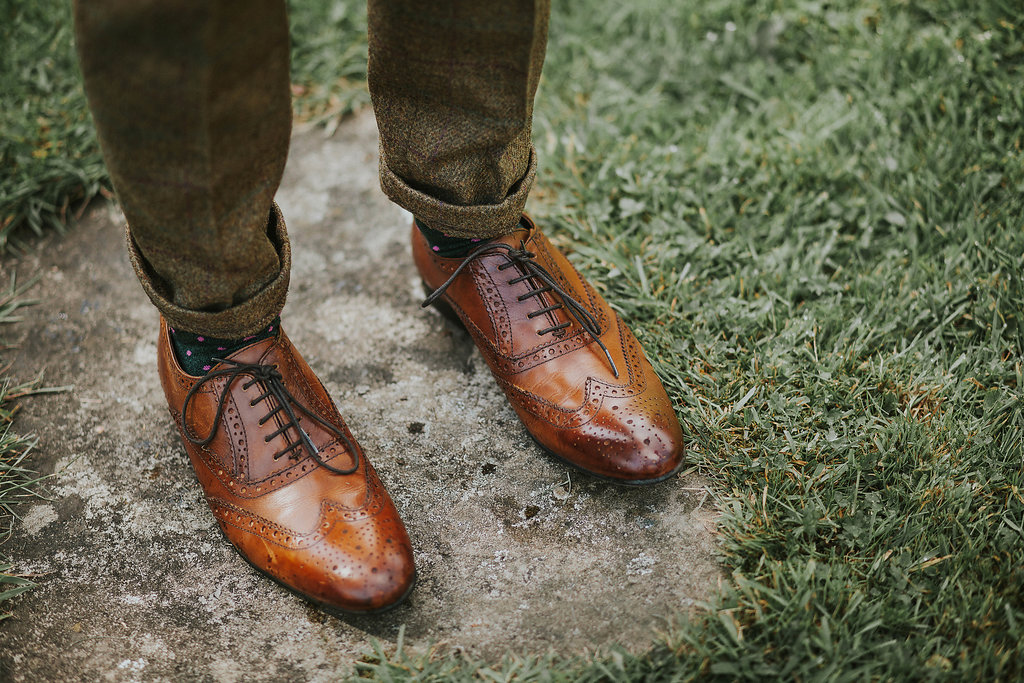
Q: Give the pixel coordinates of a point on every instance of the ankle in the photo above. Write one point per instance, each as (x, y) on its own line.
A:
(198, 353)
(446, 246)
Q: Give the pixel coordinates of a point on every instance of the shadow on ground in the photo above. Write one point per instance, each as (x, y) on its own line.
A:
(513, 549)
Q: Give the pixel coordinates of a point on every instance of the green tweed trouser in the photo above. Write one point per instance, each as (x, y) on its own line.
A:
(192, 104)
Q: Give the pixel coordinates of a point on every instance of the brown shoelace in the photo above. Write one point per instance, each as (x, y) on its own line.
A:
(538, 275)
(268, 377)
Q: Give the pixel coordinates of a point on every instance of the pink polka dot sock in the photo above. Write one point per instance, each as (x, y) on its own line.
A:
(448, 247)
(197, 353)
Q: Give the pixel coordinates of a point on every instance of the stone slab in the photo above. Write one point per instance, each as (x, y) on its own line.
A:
(514, 550)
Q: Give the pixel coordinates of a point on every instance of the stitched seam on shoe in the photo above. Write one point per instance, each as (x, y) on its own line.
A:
(546, 251)
(546, 411)
(209, 459)
(309, 394)
(480, 274)
(504, 363)
(468, 322)
(534, 353)
(313, 538)
(537, 351)
(298, 463)
(629, 354)
(327, 412)
(594, 389)
(238, 451)
(327, 510)
(495, 351)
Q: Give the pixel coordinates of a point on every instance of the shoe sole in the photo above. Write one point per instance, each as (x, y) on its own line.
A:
(333, 610)
(449, 313)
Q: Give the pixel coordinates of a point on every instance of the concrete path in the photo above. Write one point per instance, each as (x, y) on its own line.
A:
(514, 551)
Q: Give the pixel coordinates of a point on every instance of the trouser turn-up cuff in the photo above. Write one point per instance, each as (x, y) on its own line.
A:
(245, 318)
(484, 221)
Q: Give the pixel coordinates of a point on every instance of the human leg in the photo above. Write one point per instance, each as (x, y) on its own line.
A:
(193, 111)
(453, 85)
(453, 89)
(192, 105)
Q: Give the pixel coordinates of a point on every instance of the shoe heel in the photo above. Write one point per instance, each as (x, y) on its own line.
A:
(444, 309)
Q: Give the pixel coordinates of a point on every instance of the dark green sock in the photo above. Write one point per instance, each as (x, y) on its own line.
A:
(196, 352)
(448, 247)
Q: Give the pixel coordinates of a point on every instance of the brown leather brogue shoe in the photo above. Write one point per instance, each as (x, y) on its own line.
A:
(575, 375)
(289, 486)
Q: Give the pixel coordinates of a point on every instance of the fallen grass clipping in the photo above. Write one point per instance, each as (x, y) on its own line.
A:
(811, 214)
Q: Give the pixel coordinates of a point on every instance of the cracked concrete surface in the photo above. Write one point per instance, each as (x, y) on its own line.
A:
(514, 550)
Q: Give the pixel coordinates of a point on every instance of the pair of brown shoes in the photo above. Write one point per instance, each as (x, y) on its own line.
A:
(294, 493)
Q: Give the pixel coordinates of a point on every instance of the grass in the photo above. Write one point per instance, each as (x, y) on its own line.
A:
(811, 214)
(49, 160)
(16, 480)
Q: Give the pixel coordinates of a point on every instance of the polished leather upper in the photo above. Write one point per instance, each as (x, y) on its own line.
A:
(560, 383)
(332, 537)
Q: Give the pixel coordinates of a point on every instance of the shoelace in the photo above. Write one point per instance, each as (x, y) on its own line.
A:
(525, 259)
(270, 379)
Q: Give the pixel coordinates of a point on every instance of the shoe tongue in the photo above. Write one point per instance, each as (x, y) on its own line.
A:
(522, 233)
(257, 353)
